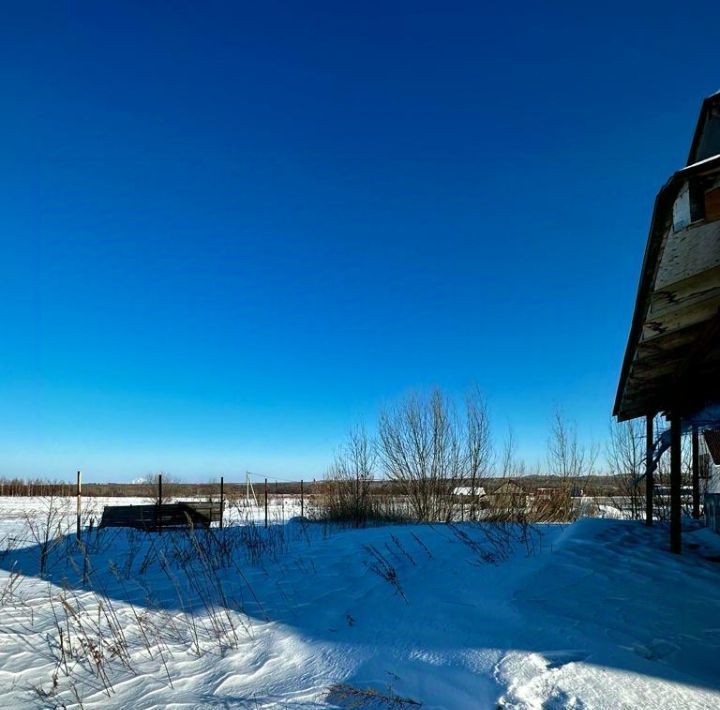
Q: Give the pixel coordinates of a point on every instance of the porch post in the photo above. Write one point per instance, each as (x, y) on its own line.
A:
(675, 481)
(649, 482)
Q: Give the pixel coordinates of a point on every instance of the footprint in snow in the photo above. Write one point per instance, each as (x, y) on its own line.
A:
(530, 680)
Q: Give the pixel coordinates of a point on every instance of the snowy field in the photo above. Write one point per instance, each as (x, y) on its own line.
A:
(596, 614)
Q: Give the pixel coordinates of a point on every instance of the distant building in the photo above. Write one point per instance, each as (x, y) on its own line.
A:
(477, 491)
(509, 495)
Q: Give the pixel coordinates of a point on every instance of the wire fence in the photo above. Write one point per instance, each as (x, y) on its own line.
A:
(253, 498)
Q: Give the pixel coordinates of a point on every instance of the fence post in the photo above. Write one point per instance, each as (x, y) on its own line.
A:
(266, 502)
(222, 500)
(302, 499)
(159, 505)
(78, 494)
(357, 500)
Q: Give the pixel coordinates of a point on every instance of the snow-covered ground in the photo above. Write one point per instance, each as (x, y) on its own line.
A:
(597, 614)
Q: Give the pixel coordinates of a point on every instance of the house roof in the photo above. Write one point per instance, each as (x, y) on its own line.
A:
(707, 130)
(509, 485)
(672, 358)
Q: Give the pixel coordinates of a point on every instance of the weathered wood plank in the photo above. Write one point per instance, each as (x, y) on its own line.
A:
(167, 515)
(681, 318)
(689, 252)
(686, 293)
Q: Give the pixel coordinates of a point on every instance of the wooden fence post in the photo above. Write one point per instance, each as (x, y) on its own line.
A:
(266, 509)
(78, 494)
(159, 505)
(222, 500)
(302, 500)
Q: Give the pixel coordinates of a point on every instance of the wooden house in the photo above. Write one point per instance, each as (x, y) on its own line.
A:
(509, 495)
(672, 360)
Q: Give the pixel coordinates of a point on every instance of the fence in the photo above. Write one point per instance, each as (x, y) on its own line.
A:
(265, 500)
(262, 500)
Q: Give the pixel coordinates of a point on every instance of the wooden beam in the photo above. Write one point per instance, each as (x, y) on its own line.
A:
(652, 368)
(675, 481)
(670, 341)
(679, 319)
(702, 346)
(685, 293)
(691, 284)
(688, 253)
(695, 473)
(649, 476)
(693, 387)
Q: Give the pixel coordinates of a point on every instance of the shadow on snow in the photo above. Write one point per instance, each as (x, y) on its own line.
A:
(604, 593)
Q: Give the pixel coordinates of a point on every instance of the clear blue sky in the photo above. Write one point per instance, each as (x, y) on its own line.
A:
(232, 230)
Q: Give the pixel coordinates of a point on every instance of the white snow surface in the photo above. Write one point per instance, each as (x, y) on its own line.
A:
(597, 614)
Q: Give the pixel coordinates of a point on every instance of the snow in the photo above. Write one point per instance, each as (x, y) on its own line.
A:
(597, 614)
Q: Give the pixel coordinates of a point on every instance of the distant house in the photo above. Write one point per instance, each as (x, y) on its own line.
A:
(508, 495)
(477, 491)
(548, 492)
(551, 503)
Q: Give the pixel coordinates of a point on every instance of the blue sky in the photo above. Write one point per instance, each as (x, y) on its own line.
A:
(231, 231)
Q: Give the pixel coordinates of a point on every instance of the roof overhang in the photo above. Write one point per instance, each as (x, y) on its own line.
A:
(672, 359)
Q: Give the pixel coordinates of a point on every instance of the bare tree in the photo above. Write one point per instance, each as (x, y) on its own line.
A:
(566, 457)
(509, 465)
(151, 486)
(347, 492)
(45, 526)
(420, 448)
(477, 442)
(507, 502)
(626, 452)
(570, 461)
